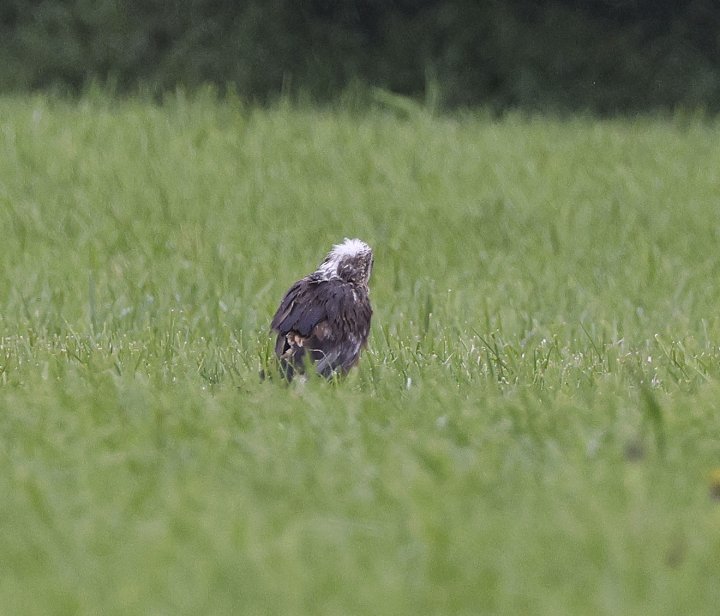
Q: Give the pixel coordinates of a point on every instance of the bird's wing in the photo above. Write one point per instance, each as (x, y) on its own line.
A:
(325, 319)
(350, 324)
(302, 308)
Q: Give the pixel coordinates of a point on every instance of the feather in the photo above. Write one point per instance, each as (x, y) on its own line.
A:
(325, 317)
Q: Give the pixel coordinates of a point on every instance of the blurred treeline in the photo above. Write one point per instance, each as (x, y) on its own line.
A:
(604, 56)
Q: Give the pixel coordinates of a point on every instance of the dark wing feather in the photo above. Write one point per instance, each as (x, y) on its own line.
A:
(351, 323)
(300, 310)
(327, 319)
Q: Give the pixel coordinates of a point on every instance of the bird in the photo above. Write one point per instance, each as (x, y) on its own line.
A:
(324, 318)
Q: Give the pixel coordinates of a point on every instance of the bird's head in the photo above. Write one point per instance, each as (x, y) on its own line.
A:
(351, 261)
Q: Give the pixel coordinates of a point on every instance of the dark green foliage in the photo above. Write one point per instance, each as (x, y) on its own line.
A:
(604, 56)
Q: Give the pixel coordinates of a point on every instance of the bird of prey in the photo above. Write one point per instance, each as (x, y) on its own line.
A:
(324, 318)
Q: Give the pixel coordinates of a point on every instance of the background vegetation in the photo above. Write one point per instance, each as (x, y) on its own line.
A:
(604, 56)
(534, 428)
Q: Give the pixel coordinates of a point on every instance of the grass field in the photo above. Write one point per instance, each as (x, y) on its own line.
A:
(534, 429)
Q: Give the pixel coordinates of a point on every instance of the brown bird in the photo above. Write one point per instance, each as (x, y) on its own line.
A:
(324, 318)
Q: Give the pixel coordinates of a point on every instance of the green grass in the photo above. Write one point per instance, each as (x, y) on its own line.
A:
(532, 430)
